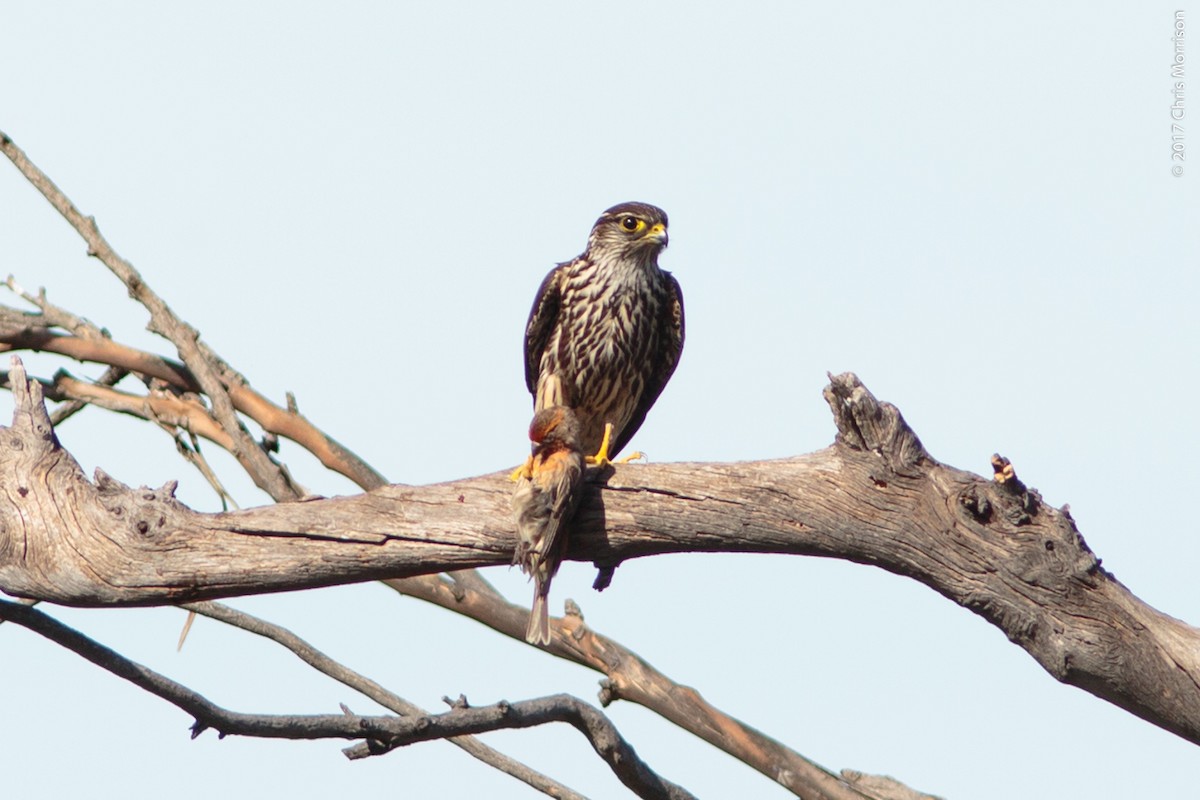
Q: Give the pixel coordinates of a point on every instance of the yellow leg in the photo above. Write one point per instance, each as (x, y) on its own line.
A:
(524, 471)
(601, 458)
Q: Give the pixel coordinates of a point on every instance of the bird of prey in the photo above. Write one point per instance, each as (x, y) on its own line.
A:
(606, 330)
(543, 503)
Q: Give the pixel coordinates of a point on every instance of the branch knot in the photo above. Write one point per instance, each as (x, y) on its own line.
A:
(864, 423)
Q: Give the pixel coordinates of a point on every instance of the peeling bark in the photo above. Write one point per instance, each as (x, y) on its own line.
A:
(874, 497)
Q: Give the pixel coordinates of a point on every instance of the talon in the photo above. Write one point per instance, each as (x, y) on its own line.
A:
(636, 455)
(601, 458)
(524, 471)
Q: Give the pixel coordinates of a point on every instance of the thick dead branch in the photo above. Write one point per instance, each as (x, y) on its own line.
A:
(382, 733)
(875, 497)
(174, 403)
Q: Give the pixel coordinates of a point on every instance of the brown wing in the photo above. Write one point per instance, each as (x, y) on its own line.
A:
(565, 493)
(540, 326)
(662, 362)
(567, 488)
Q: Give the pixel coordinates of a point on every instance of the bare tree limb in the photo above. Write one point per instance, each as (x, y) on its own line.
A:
(369, 688)
(177, 415)
(163, 321)
(53, 315)
(882, 787)
(69, 408)
(56, 316)
(174, 404)
(598, 729)
(91, 341)
(787, 767)
(189, 415)
(875, 497)
(26, 332)
(165, 408)
(630, 677)
(211, 374)
(470, 594)
(382, 732)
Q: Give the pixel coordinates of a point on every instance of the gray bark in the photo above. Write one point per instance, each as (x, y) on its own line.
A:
(875, 497)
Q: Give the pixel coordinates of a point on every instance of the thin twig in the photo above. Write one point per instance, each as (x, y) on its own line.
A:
(111, 377)
(191, 452)
(369, 688)
(387, 732)
(163, 408)
(589, 721)
(163, 321)
(56, 316)
(209, 374)
(19, 331)
(629, 677)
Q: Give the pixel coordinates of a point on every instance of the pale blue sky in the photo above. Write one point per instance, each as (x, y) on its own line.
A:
(973, 209)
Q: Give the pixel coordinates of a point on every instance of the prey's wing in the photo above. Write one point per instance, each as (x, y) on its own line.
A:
(544, 506)
(565, 492)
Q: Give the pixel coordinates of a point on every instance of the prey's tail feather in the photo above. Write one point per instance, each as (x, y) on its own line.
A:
(538, 631)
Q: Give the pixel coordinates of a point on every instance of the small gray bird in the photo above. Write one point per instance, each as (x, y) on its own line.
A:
(543, 502)
(606, 330)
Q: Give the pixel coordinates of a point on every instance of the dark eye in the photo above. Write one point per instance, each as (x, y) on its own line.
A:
(629, 224)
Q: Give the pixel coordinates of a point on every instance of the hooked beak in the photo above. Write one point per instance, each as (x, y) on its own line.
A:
(658, 234)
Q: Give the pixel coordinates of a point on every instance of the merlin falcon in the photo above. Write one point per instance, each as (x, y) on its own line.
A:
(606, 330)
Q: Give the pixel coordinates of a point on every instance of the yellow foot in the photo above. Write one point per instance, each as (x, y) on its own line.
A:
(636, 455)
(601, 458)
(524, 471)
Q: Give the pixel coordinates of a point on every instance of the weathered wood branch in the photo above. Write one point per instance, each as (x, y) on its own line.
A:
(170, 410)
(630, 677)
(874, 497)
(175, 404)
(206, 370)
(183, 413)
(388, 699)
(183, 410)
(595, 726)
(381, 733)
(34, 332)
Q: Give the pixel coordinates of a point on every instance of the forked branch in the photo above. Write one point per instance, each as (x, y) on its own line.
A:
(174, 401)
(380, 733)
(875, 497)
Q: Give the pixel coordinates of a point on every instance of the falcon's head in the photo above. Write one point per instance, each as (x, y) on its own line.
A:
(636, 231)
